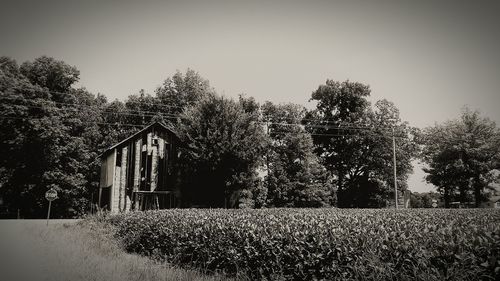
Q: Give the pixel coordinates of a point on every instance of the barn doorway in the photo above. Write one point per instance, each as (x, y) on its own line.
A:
(105, 198)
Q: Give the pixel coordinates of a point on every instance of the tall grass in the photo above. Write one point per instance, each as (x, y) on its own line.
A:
(85, 250)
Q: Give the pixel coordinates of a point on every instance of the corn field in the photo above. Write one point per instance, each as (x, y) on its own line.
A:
(314, 244)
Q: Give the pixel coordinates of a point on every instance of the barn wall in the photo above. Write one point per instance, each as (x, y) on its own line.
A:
(107, 170)
(137, 168)
(104, 173)
(154, 167)
(106, 180)
(115, 189)
(123, 179)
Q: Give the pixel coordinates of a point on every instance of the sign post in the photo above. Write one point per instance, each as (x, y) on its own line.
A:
(50, 195)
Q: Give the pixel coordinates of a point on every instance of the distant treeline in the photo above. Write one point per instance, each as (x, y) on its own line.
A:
(264, 155)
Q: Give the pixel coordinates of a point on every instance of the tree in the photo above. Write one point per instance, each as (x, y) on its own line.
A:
(384, 122)
(51, 74)
(295, 178)
(225, 144)
(55, 132)
(182, 91)
(48, 135)
(20, 100)
(143, 109)
(354, 142)
(461, 156)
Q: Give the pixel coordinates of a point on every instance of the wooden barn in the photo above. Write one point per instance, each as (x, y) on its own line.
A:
(139, 172)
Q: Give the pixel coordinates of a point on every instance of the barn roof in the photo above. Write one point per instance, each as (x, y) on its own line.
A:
(158, 124)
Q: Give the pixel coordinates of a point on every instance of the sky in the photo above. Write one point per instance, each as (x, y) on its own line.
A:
(431, 58)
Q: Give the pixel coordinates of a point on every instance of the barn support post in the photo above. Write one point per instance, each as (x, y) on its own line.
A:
(154, 167)
(113, 200)
(100, 196)
(137, 173)
(123, 179)
(149, 158)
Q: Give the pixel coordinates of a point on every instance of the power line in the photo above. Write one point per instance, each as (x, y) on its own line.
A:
(146, 113)
(128, 101)
(173, 117)
(371, 129)
(322, 121)
(168, 106)
(84, 122)
(166, 115)
(384, 136)
(330, 127)
(142, 125)
(124, 112)
(330, 122)
(353, 135)
(89, 106)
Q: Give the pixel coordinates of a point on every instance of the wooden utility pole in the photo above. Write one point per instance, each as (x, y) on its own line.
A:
(267, 155)
(395, 171)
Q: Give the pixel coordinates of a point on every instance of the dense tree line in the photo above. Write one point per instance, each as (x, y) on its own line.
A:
(50, 136)
(238, 153)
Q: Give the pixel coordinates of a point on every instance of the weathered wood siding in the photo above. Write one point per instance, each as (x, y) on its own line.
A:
(115, 190)
(107, 169)
(137, 159)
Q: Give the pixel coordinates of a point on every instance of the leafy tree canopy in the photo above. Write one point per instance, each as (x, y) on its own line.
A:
(461, 156)
(295, 177)
(183, 91)
(225, 146)
(354, 142)
(48, 132)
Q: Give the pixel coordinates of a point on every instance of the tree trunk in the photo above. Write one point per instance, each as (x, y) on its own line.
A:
(477, 191)
(340, 190)
(446, 197)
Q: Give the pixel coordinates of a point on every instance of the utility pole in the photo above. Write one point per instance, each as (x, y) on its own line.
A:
(267, 154)
(395, 172)
(223, 119)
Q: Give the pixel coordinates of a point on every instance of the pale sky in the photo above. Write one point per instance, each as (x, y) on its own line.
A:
(428, 57)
